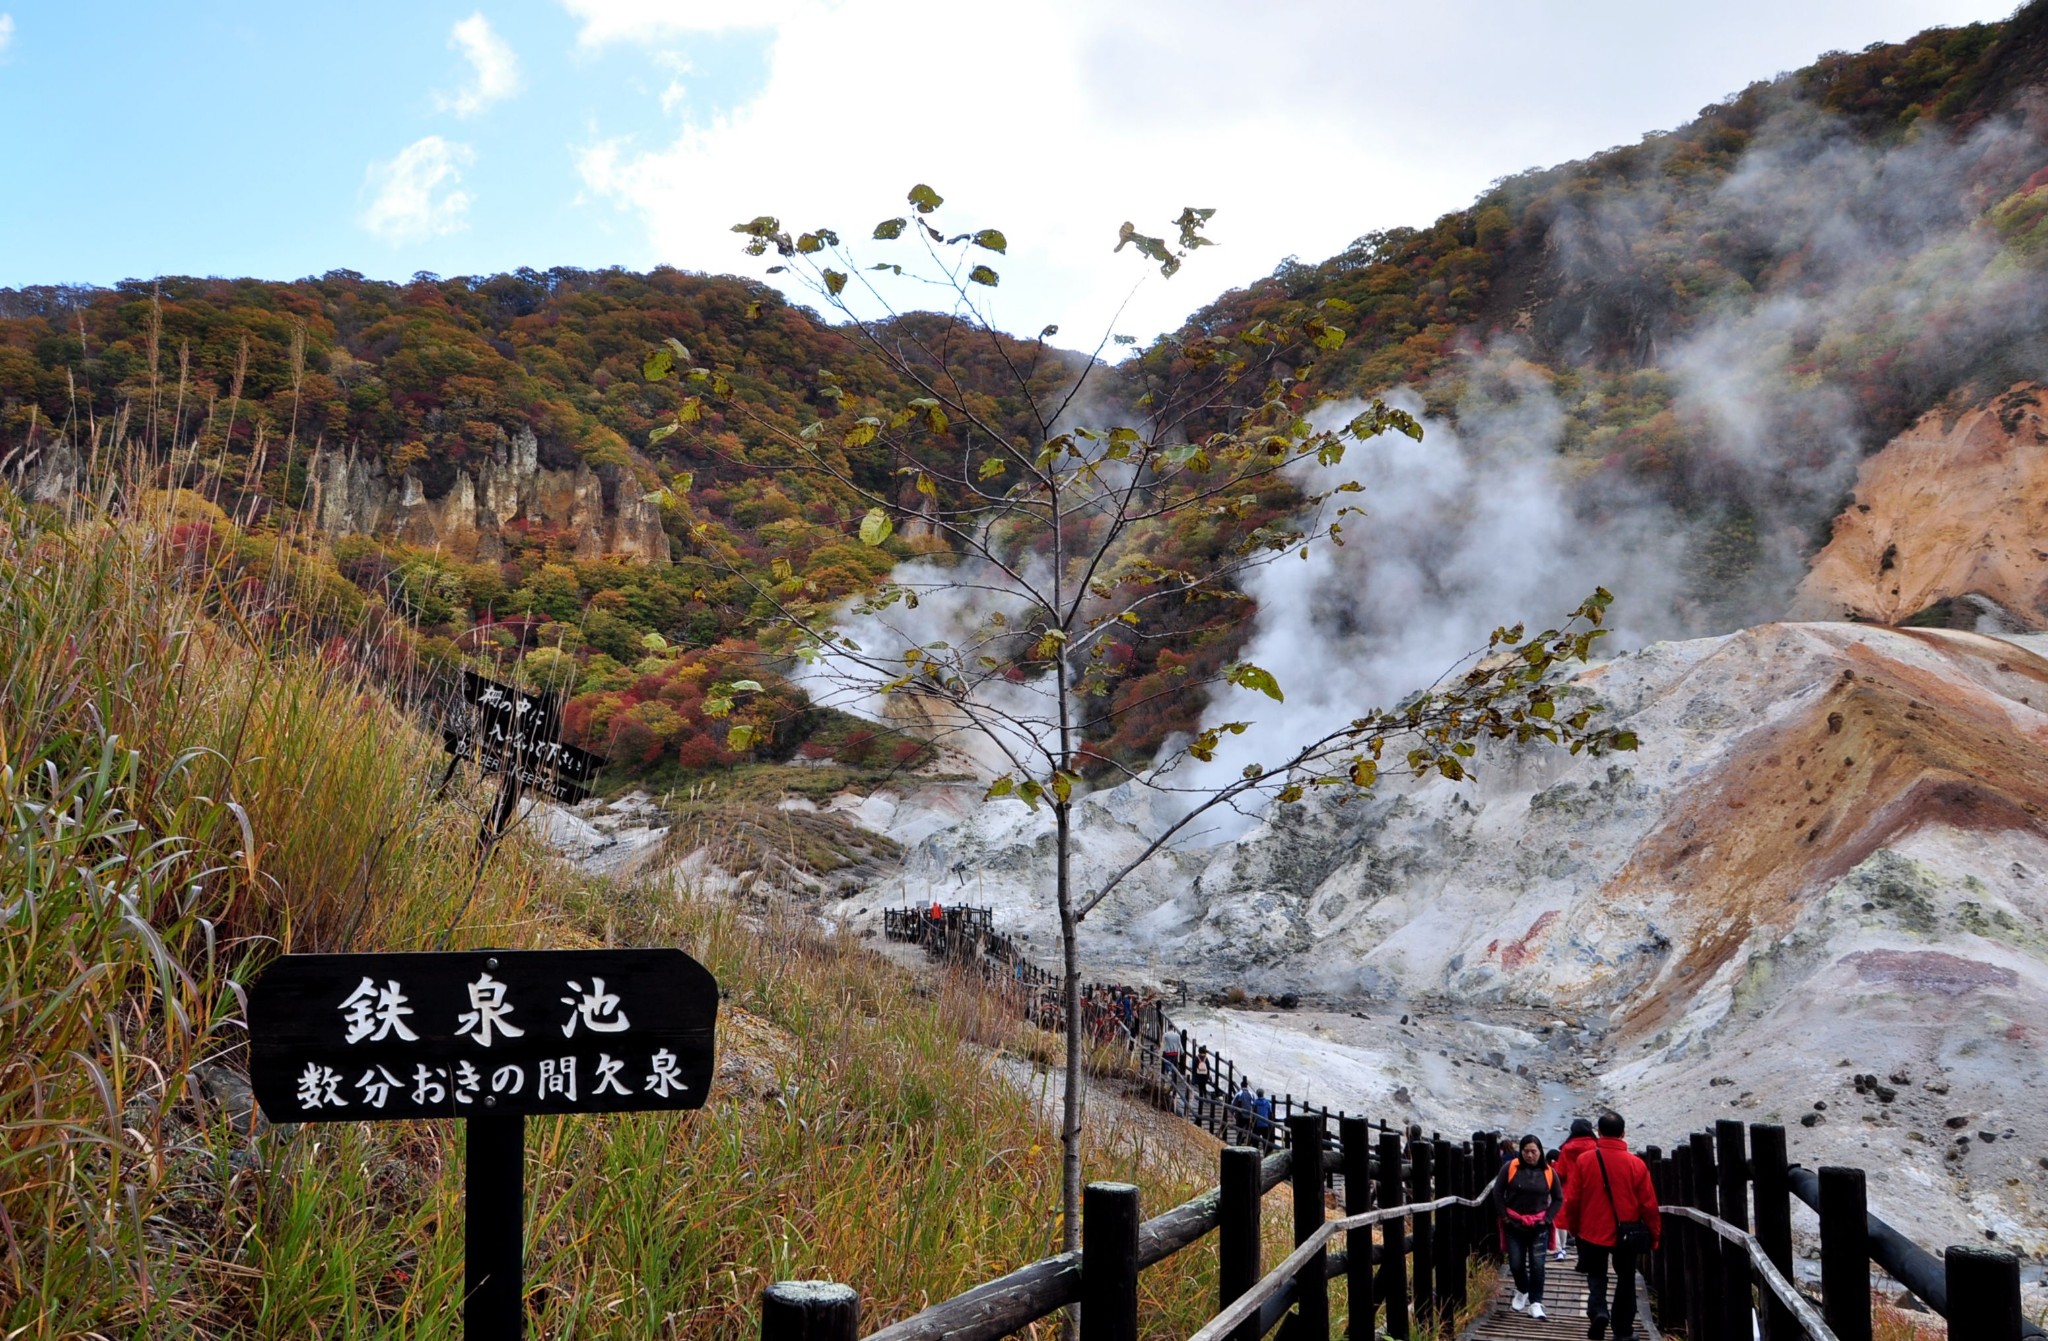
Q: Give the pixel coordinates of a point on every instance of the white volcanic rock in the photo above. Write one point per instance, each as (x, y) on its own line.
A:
(1832, 846)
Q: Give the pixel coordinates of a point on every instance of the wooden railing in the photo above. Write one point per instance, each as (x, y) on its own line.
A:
(1711, 1278)
(1428, 1234)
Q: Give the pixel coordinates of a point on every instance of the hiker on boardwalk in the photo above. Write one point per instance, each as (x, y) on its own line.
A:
(1612, 1208)
(1529, 1194)
(1244, 1107)
(1578, 1143)
(1262, 1116)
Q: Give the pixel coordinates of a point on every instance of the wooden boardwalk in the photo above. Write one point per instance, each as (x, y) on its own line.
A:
(1564, 1303)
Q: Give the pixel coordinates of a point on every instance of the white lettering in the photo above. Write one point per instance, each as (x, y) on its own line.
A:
(594, 1003)
(317, 1084)
(558, 1078)
(376, 1091)
(487, 999)
(666, 1077)
(375, 1013)
(608, 1074)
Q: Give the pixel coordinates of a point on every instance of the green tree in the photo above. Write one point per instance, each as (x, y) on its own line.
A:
(1056, 550)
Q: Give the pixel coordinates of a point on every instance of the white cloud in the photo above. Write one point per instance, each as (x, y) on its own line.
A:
(635, 21)
(494, 70)
(418, 193)
(6, 32)
(1348, 116)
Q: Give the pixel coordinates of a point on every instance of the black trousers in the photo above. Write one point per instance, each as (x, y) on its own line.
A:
(1525, 1259)
(1596, 1257)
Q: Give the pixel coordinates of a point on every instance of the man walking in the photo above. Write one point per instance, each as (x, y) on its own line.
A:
(1610, 1205)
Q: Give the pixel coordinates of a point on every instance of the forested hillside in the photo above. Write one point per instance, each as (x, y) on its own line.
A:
(1718, 321)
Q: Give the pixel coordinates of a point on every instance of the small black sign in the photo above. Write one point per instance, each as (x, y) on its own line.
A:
(371, 1037)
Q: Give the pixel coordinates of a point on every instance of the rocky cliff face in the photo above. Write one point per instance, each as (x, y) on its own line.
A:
(1829, 859)
(1951, 510)
(603, 508)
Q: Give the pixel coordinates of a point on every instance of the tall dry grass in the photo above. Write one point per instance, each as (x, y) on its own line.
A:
(191, 782)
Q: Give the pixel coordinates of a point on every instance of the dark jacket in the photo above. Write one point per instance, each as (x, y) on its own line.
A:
(1587, 1211)
(1527, 1196)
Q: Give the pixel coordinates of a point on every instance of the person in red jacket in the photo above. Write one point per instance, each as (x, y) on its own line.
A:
(1610, 1187)
(1580, 1141)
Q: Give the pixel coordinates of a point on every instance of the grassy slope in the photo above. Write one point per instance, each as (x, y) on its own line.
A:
(185, 791)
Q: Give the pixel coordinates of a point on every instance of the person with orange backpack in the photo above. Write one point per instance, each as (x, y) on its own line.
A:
(1529, 1194)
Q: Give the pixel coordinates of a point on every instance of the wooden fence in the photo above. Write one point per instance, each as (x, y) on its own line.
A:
(1712, 1278)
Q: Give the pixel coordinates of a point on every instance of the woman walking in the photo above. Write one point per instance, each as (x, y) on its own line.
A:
(1530, 1197)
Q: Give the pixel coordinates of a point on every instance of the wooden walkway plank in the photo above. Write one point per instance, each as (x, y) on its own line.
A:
(1564, 1306)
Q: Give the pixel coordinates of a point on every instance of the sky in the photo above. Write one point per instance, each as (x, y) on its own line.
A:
(219, 137)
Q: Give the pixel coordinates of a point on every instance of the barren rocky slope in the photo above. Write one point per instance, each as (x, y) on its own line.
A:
(1828, 860)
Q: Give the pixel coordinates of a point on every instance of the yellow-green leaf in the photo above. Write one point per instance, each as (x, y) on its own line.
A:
(876, 527)
(981, 274)
(889, 229)
(923, 199)
(739, 738)
(992, 239)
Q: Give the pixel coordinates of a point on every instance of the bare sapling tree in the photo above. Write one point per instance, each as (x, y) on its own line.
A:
(1052, 550)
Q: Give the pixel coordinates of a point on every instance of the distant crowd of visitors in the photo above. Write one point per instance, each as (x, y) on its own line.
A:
(1592, 1192)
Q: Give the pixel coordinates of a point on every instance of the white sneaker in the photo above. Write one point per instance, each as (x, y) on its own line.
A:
(1536, 1311)
(1521, 1302)
(1557, 1256)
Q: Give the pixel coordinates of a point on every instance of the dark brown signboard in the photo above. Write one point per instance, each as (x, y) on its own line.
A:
(474, 1033)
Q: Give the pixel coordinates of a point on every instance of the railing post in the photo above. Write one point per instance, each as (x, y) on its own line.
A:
(1422, 1187)
(1706, 1197)
(1688, 1245)
(1356, 1135)
(1486, 1154)
(1983, 1294)
(809, 1310)
(1662, 1271)
(1845, 1253)
(1393, 1286)
(1451, 1241)
(1109, 1262)
(1773, 1220)
(1312, 1286)
(1737, 1282)
(1237, 1231)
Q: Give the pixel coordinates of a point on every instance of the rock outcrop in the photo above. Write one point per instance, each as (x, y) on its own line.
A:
(1832, 847)
(1950, 510)
(603, 508)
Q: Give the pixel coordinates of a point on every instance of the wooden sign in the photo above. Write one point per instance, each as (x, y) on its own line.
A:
(372, 1037)
(489, 1036)
(514, 733)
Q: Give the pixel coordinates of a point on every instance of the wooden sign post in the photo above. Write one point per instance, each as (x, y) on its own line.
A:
(517, 735)
(489, 1036)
